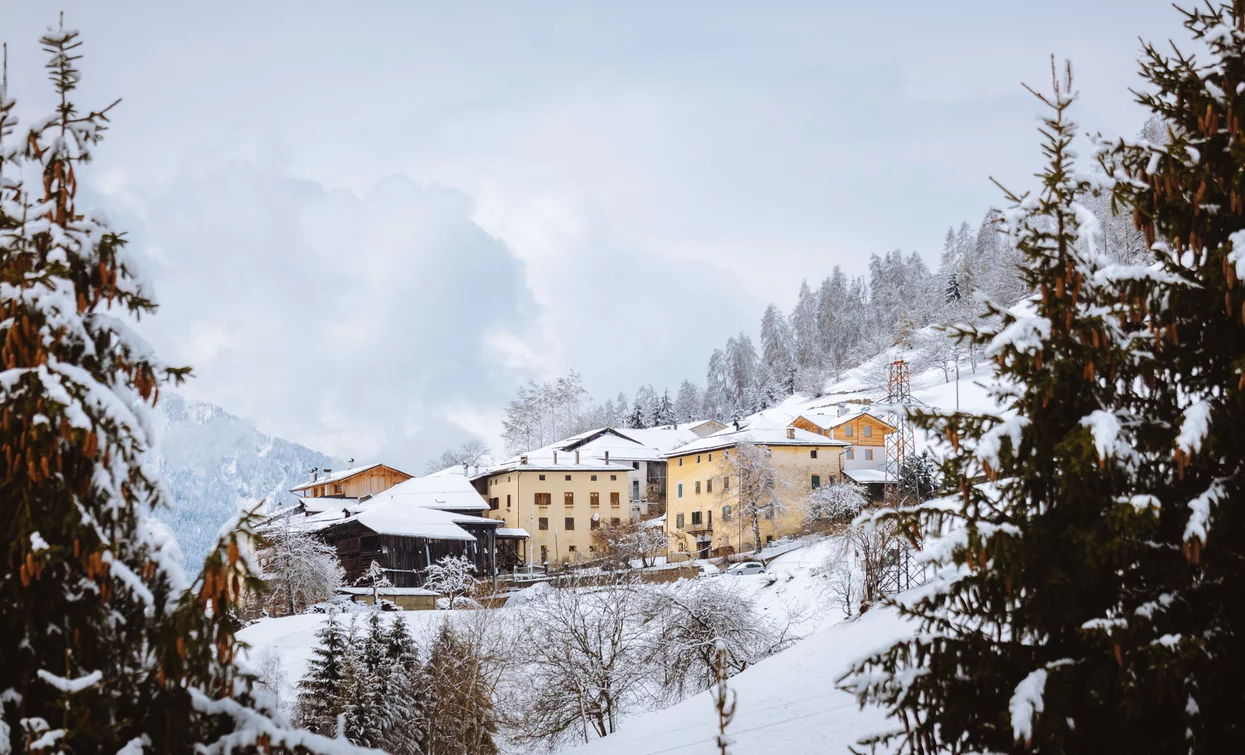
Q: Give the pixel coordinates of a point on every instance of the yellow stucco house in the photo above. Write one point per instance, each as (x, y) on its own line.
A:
(703, 499)
(560, 498)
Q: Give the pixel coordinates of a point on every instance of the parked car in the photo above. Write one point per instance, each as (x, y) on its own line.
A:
(746, 568)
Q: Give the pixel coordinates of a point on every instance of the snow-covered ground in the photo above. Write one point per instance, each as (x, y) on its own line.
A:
(786, 704)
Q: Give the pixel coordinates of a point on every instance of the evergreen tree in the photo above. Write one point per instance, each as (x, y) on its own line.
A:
(321, 691)
(105, 644)
(1185, 189)
(663, 411)
(717, 391)
(1010, 654)
(409, 693)
(778, 352)
(688, 404)
(370, 686)
(805, 331)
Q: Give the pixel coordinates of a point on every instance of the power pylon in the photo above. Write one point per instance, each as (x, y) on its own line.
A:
(900, 444)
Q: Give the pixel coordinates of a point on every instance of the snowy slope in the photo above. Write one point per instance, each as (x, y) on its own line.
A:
(787, 704)
(214, 462)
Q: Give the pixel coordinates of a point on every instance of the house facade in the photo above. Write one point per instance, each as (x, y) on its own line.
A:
(865, 432)
(559, 498)
(702, 512)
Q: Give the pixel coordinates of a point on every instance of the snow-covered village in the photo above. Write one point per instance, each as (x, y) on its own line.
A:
(622, 378)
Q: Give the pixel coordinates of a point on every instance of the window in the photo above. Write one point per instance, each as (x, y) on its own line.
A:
(568, 499)
(593, 478)
(615, 521)
(507, 500)
(710, 457)
(570, 548)
(544, 499)
(542, 477)
(847, 431)
(769, 513)
(698, 487)
(769, 539)
(494, 503)
(697, 458)
(570, 523)
(726, 483)
(544, 553)
(812, 454)
(868, 454)
(635, 490)
(594, 499)
(709, 485)
(614, 477)
(543, 525)
(696, 519)
(682, 547)
(568, 478)
(678, 521)
(635, 465)
(614, 498)
(816, 483)
(680, 461)
(867, 431)
(594, 524)
(726, 513)
(680, 490)
(849, 455)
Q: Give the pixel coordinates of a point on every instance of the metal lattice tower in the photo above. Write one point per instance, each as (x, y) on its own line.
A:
(900, 444)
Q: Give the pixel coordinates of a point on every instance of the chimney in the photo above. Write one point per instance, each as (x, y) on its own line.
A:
(465, 469)
(736, 425)
(555, 457)
(607, 457)
(842, 409)
(315, 473)
(790, 433)
(576, 458)
(523, 459)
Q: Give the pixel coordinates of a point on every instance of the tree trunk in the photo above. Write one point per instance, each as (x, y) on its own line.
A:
(756, 530)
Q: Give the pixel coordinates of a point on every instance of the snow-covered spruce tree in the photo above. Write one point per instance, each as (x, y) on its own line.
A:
(321, 691)
(370, 687)
(1186, 191)
(104, 643)
(409, 695)
(1009, 655)
(461, 717)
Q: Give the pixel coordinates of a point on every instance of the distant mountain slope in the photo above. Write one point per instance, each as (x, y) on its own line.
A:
(214, 461)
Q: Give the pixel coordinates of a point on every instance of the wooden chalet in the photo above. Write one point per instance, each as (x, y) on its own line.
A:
(357, 482)
(410, 526)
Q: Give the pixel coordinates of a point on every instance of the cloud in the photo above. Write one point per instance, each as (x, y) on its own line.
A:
(341, 321)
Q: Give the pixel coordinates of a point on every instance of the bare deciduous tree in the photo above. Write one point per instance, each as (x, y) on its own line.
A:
(757, 486)
(299, 568)
(451, 576)
(588, 653)
(836, 503)
(630, 541)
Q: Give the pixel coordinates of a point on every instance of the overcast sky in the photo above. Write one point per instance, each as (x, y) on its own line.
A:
(367, 223)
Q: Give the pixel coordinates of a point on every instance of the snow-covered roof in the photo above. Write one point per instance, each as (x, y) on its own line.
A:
(393, 517)
(867, 476)
(338, 476)
(385, 591)
(777, 435)
(512, 532)
(828, 420)
(444, 492)
(326, 503)
(554, 459)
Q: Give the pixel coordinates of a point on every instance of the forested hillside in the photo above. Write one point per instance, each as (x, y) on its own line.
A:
(215, 462)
